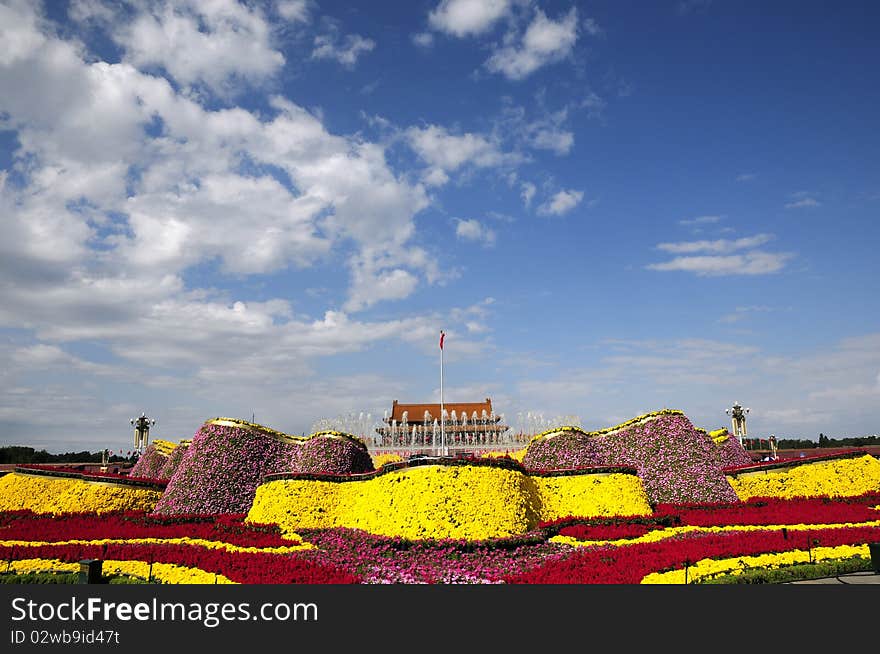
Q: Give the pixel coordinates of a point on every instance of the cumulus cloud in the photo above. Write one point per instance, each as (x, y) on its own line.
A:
(545, 41)
(212, 43)
(327, 46)
(560, 203)
(474, 230)
(467, 17)
(448, 152)
(295, 11)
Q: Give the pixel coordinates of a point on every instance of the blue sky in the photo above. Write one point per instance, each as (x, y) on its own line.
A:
(273, 208)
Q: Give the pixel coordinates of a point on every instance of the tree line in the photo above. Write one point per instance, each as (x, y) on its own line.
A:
(24, 454)
(804, 443)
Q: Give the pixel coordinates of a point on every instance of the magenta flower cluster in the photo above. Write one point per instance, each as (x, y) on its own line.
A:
(382, 560)
(328, 455)
(675, 461)
(149, 464)
(730, 453)
(172, 462)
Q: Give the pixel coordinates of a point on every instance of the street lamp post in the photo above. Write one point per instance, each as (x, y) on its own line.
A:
(142, 432)
(738, 419)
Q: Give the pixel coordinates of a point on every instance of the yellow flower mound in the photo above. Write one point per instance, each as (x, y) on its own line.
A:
(436, 502)
(709, 567)
(43, 494)
(163, 572)
(836, 478)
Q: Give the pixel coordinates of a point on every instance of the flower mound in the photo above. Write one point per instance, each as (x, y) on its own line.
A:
(676, 461)
(222, 466)
(172, 462)
(329, 454)
(150, 463)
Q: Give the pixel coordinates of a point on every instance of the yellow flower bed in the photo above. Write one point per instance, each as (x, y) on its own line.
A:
(163, 572)
(518, 455)
(44, 494)
(436, 501)
(591, 495)
(836, 478)
(709, 567)
(380, 460)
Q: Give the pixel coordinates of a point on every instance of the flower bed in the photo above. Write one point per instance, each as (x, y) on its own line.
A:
(172, 462)
(839, 476)
(676, 462)
(470, 499)
(150, 463)
(45, 493)
(632, 563)
(599, 549)
(220, 470)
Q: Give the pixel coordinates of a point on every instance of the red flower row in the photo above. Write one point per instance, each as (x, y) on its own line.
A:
(24, 525)
(242, 567)
(631, 563)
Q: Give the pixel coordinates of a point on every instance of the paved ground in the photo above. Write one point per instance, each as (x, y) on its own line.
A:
(852, 578)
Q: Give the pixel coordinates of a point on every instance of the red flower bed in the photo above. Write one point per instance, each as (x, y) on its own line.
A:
(774, 511)
(243, 567)
(630, 564)
(24, 525)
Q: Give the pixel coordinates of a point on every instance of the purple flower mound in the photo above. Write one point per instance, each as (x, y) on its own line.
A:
(675, 461)
(221, 469)
(149, 464)
(731, 454)
(172, 462)
(329, 454)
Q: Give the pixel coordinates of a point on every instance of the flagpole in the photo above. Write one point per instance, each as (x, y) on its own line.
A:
(442, 417)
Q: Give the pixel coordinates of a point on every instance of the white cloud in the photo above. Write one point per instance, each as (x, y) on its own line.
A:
(211, 43)
(474, 230)
(423, 39)
(449, 152)
(467, 17)
(545, 41)
(295, 11)
(591, 27)
(562, 202)
(746, 177)
(700, 220)
(556, 140)
(720, 245)
(346, 53)
(803, 203)
(252, 194)
(750, 263)
(527, 192)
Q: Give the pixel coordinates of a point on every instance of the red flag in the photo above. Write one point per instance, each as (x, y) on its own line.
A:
(442, 334)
